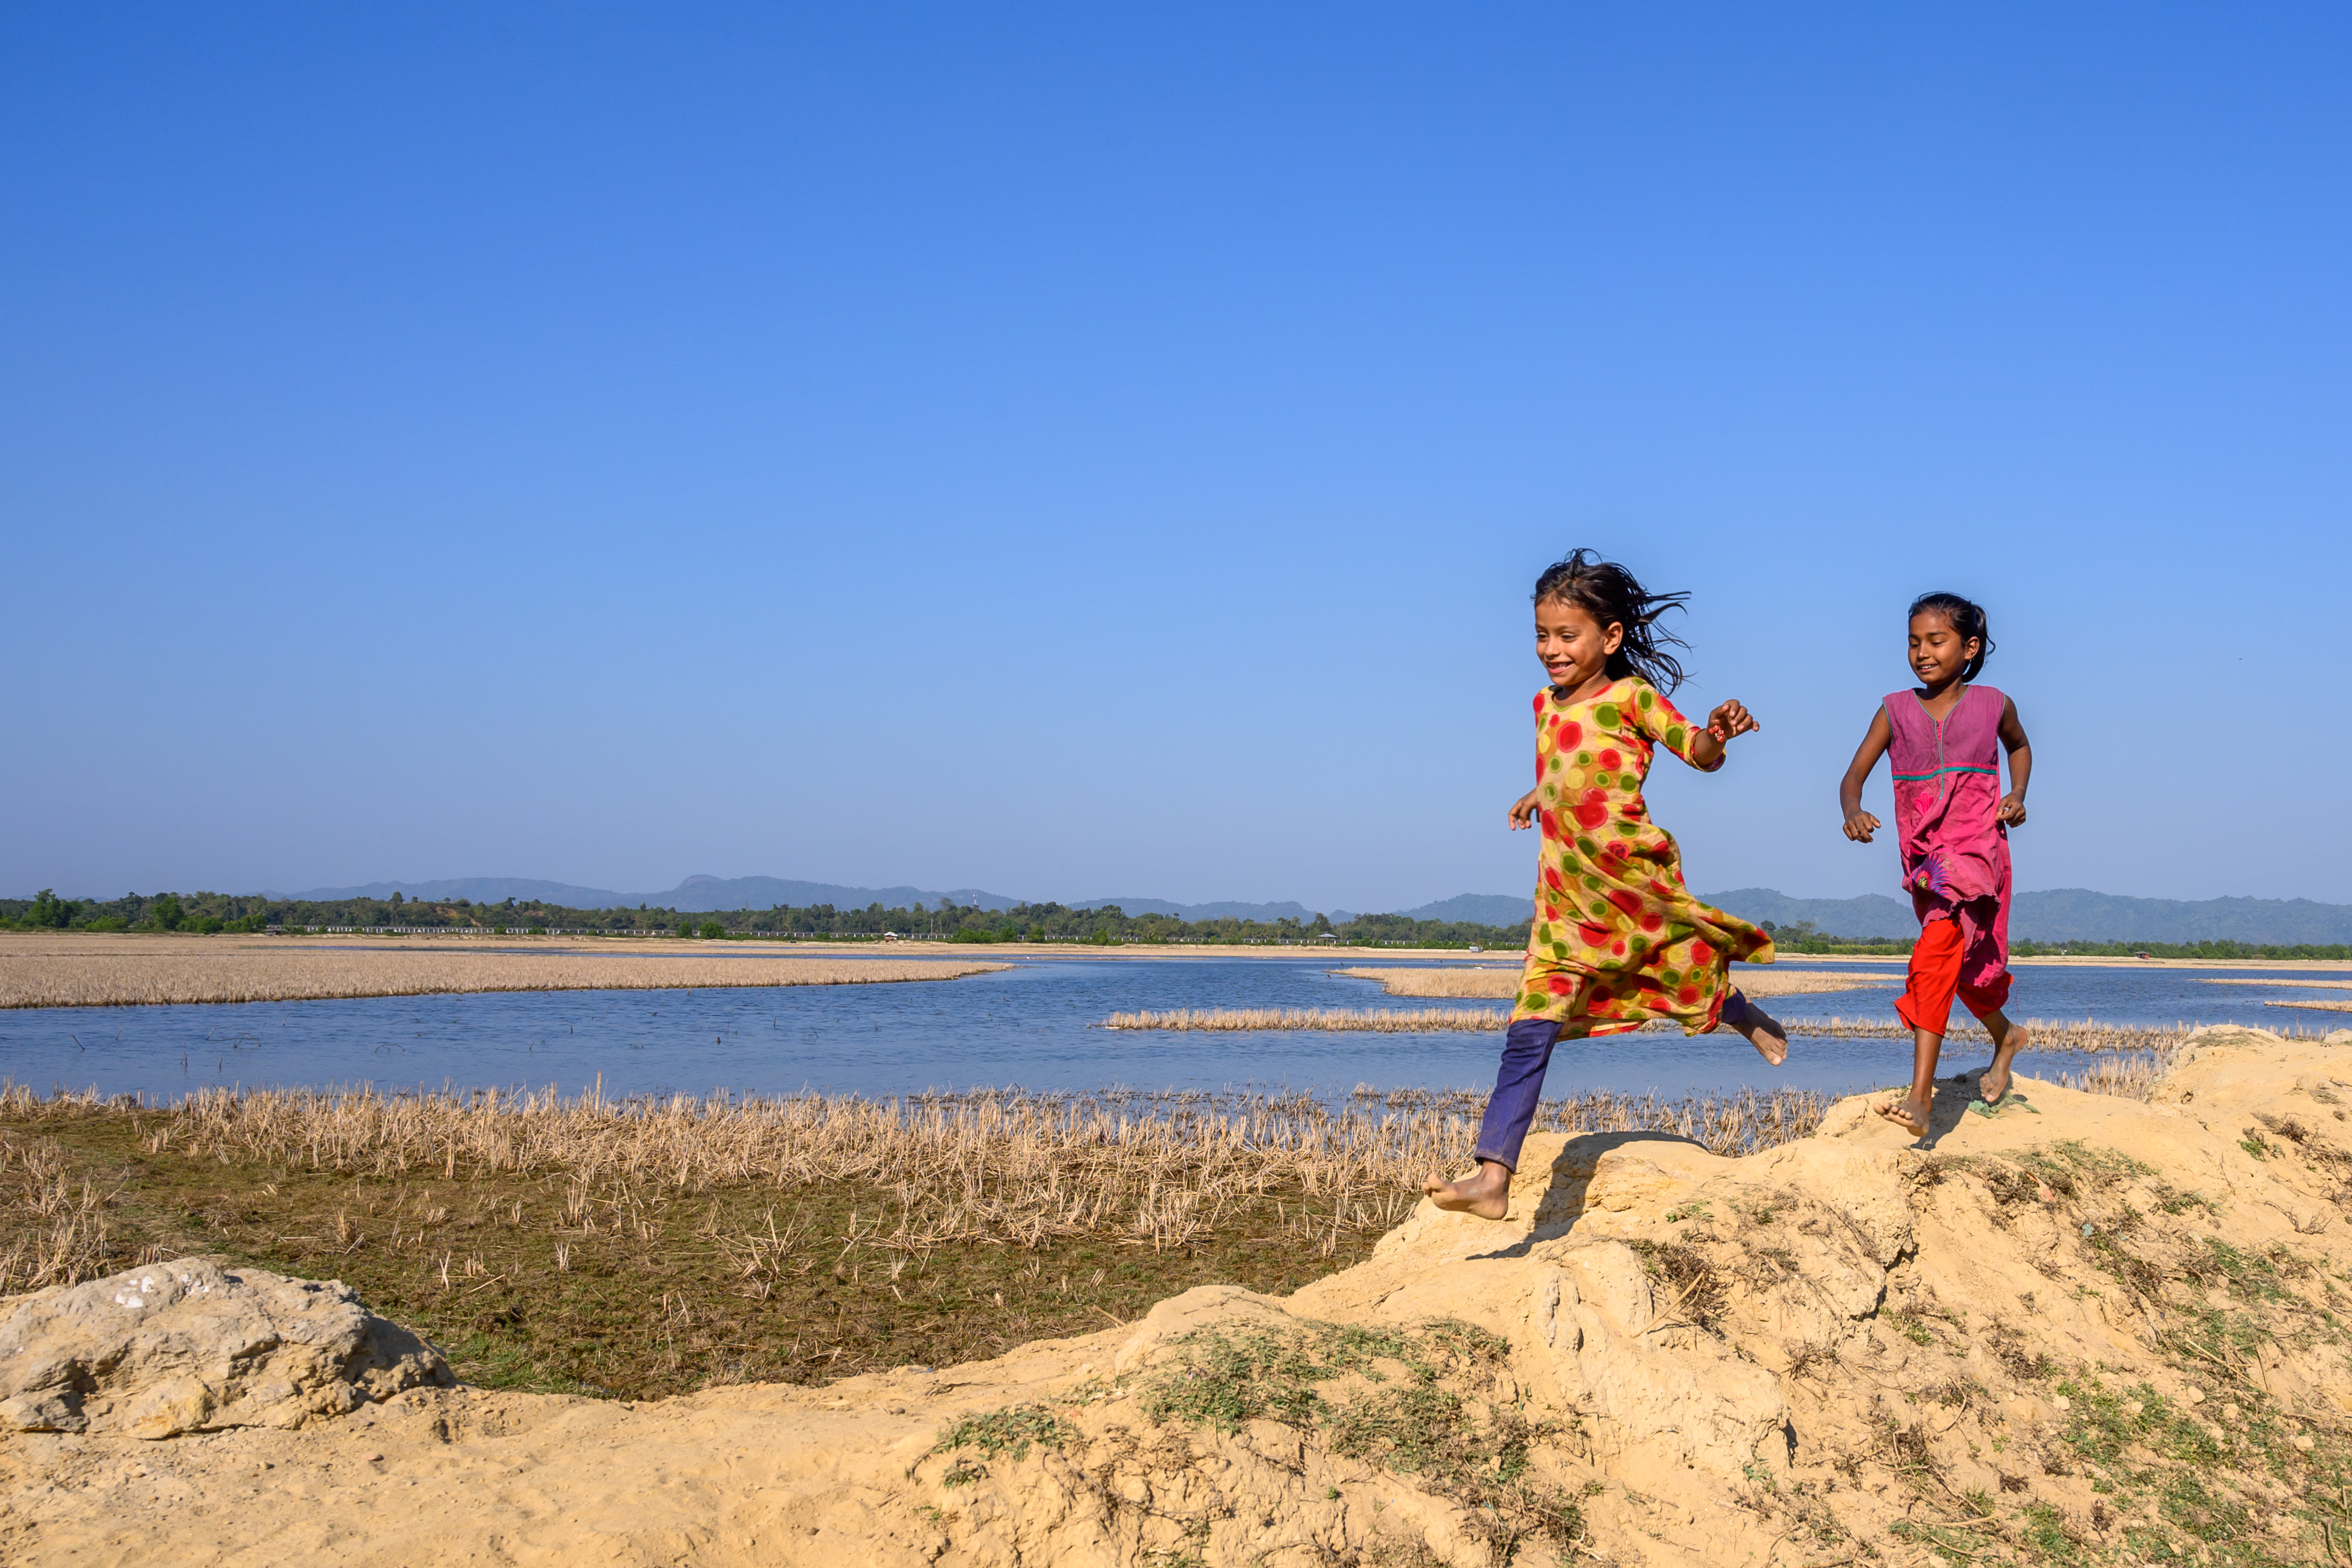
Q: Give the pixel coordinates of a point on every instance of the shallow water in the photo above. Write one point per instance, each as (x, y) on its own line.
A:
(1032, 1025)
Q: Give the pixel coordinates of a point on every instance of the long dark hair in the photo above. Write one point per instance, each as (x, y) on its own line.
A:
(1968, 619)
(1609, 593)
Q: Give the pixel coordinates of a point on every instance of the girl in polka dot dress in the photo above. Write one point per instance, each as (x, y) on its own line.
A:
(1618, 940)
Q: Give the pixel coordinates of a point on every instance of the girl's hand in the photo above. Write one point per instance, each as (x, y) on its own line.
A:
(1730, 719)
(1523, 810)
(2012, 808)
(1860, 825)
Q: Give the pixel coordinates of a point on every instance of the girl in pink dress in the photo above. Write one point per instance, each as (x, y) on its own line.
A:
(1953, 821)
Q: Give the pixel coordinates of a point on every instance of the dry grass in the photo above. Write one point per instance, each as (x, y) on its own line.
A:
(130, 975)
(1491, 981)
(1504, 983)
(56, 1226)
(2088, 1035)
(1372, 1021)
(2345, 1007)
(651, 1247)
(2128, 1075)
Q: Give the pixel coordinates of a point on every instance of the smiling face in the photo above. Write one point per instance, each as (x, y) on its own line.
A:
(1938, 653)
(1573, 646)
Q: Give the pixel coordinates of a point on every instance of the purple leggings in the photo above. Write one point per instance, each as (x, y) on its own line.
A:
(1526, 1051)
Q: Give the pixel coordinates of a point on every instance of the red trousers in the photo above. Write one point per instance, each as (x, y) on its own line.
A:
(1935, 979)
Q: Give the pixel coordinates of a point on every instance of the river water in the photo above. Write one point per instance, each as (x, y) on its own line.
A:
(1033, 1025)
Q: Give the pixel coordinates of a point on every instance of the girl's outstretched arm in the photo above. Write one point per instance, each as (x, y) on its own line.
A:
(1859, 823)
(2020, 763)
(1700, 744)
(1729, 719)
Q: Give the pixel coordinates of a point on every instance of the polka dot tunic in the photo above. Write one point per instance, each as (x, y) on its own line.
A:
(1618, 939)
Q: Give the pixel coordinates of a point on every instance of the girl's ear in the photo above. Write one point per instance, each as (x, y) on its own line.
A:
(1614, 638)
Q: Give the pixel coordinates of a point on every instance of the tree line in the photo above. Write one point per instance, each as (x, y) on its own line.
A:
(1800, 938)
(207, 912)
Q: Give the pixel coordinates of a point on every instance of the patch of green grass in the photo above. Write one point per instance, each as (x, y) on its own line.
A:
(1221, 1380)
(2193, 1507)
(1010, 1431)
(2041, 1529)
(489, 1363)
(2173, 1200)
(2104, 1166)
(2102, 1422)
(1421, 1402)
(2248, 1274)
(1952, 1542)
(1908, 1325)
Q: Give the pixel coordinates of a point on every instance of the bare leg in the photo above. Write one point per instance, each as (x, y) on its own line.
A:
(1762, 1030)
(2007, 1039)
(1912, 1115)
(1486, 1194)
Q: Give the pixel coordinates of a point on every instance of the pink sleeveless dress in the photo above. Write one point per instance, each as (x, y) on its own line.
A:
(1946, 799)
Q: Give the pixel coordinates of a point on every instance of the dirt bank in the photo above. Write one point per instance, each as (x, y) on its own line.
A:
(2085, 1329)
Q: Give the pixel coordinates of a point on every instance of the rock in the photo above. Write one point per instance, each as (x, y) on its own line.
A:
(189, 1346)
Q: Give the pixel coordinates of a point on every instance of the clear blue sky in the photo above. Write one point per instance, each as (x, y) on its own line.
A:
(1106, 450)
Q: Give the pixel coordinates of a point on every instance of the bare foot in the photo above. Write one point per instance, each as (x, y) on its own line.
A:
(1909, 1114)
(1765, 1033)
(1993, 1082)
(1486, 1194)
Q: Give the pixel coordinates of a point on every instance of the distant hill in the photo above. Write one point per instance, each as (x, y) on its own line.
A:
(1872, 915)
(1228, 910)
(2064, 913)
(2057, 915)
(481, 888)
(696, 894)
(1478, 909)
(703, 892)
(2068, 913)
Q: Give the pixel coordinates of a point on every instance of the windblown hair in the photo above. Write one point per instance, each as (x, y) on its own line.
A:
(1609, 593)
(1968, 620)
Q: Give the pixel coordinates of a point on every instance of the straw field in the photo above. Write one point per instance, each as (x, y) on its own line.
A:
(1502, 984)
(2341, 1006)
(130, 975)
(2127, 1074)
(1491, 982)
(2087, 1035)
(650, 1245)
(1352, 1020)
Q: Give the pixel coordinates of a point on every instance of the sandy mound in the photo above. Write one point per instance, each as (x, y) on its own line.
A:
(2084, 1329)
